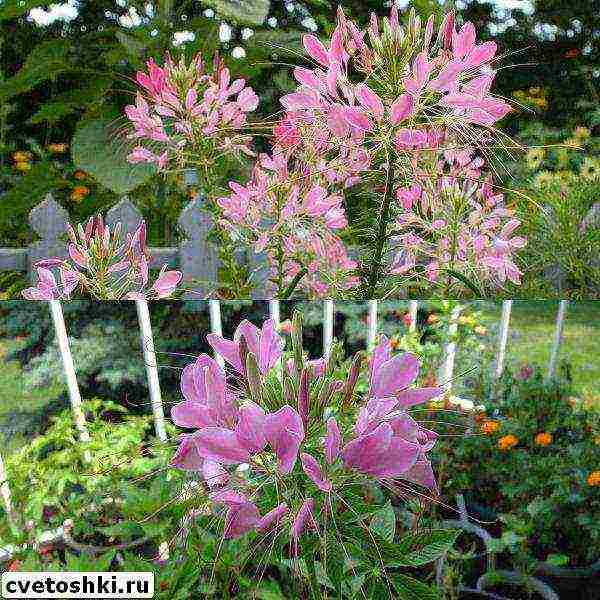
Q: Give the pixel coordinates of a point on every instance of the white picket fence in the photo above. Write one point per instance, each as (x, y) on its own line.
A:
(445, 375)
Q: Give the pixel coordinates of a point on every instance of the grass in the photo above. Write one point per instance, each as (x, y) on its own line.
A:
(531, 335)
(14, 396)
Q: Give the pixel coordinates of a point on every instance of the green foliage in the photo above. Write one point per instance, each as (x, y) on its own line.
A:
(99, 149)
(251, 12)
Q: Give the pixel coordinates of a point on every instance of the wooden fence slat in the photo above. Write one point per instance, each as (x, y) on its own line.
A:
(502, 338)
(69, 369)
(449, 353)
(558, 333)
(328, 313)
(6, 496)
(143, 313)
(216, 325)
(413, 306)
(372, 325)
(275, 312)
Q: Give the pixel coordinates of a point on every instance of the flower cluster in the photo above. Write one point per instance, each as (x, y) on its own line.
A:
(457, 222)
(291, 210)
(185, 113)
(103, 264)
(282, 448)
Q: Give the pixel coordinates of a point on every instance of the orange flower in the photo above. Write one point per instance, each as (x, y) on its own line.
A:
(507, 442)
(58, 148)
(490, 427)
(79, 193)
(593, 479)
(80, 175)
(543, 439)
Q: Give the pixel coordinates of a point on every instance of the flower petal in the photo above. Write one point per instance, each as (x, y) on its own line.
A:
(312, 468)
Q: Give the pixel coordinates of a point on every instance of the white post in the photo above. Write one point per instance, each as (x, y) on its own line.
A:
(216, 326)
(412, 311)
(5, 493)
(143, 313)
(560, 319)
(67, 360)
(275, 312)
(446, 371)
(502, 338)
(327, 326)
(372, 325)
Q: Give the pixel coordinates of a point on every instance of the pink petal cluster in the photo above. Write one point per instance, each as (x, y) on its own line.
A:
(179, 103)
(386, 443)
(456, 222)
(104, 265)
(294, 207)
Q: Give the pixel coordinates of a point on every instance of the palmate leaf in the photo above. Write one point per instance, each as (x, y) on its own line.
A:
(47, 61)
(101, 151)
(250, 12)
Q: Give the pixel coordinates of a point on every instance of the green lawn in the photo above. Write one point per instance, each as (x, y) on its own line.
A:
(14, 396)
(531, 334)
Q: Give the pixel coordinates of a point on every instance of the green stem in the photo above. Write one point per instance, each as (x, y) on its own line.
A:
(290, 288)
(382, 230)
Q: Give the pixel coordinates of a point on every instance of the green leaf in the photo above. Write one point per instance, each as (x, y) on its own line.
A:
(122, 529)
(421, 548)
(251, 12)
(466, 281)
(46, 62)
(134, 47)
(412, 589)
(384, 523)
(100, 150)
(321, 576)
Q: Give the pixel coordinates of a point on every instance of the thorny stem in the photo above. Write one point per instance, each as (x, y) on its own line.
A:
(382, 229)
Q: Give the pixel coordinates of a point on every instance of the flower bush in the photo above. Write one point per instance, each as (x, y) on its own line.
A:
(288, 452)
(541, 430)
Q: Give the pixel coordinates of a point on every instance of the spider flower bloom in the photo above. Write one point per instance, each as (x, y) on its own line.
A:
(274, 466)
(178, 105)
(104, 265)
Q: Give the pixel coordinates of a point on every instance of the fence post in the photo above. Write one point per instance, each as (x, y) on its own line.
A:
(413, 306)
(275, 312)
(327, 326)
(372, 325)
(49, 220)
(6, 497)
(67, 360)
(446, 371)
(558, 332)
(143, 314)
(216, 326)
(198, 258)
(502, 338)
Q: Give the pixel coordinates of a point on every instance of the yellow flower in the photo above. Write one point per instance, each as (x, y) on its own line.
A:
(543, 439)
(79, 193)
(58, 148)
(582, 133)
(507, 442)
(23, 166)
(543, 179)
(535, 157)
(572, 143)
(590, 168)
(490, 427)
(593, 479)
(21, 156)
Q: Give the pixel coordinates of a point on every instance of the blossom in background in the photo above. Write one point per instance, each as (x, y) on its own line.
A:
(104, 265)
(507, 442)
(489, 427)
(189, 113)
(593, 479)
(295, 442)
(543, 439)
